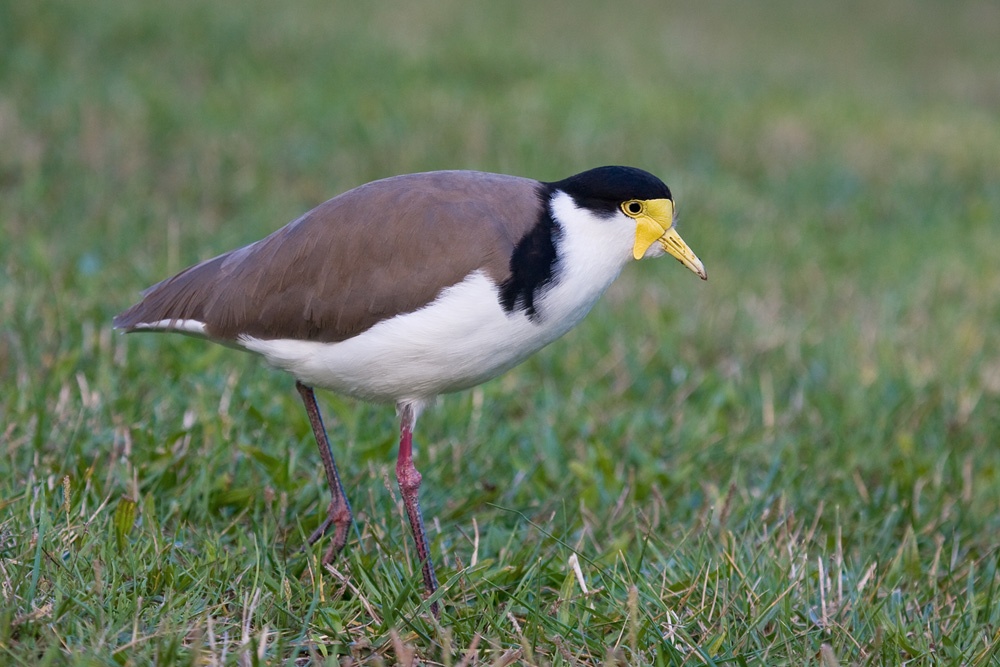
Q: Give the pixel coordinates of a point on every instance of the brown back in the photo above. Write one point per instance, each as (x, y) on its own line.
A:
(385, 248)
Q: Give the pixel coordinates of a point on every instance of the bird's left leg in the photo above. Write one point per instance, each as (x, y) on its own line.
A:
(409, 485)
(339, 516)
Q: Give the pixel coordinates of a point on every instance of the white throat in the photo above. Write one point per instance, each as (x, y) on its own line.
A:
(592, 251)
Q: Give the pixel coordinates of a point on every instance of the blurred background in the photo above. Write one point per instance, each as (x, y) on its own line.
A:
(835, 165)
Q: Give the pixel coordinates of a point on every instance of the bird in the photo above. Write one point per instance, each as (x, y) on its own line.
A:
(417, 285)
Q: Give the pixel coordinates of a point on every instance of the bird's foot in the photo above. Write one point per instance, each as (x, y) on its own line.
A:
(338, 520)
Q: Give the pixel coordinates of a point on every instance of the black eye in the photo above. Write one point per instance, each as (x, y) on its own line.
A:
(633, 207)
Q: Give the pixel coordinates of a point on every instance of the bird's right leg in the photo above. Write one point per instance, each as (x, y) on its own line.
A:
(409, 486)
(339, 516)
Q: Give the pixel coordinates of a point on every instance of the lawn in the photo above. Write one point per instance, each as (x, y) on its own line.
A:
(796, 462)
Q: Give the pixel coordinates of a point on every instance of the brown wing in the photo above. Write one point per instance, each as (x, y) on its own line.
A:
(382, 249)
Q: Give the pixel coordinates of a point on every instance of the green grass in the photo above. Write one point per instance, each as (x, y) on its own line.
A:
(794, 463)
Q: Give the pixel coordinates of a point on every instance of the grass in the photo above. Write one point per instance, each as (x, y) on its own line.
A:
(794, 463)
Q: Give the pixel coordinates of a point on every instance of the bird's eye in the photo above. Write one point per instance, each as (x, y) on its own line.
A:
(632, 207)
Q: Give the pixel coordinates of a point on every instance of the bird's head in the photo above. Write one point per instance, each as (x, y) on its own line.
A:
(644, 200)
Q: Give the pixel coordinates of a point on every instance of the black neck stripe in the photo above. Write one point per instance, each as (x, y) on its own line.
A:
(532, 264)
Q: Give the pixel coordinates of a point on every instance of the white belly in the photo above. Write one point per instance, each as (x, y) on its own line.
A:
(460, 340)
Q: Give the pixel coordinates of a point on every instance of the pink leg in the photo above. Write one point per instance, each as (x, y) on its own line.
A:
(409, 485)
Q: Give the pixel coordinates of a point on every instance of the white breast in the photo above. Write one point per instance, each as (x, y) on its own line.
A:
(464, 337)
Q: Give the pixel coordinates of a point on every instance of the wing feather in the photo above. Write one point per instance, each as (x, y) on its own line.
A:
(385, 248)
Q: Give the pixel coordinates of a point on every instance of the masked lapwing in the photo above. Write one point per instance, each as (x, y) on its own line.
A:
(419, 285)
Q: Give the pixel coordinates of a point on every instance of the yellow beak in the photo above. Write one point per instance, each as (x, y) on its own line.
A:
(674, 244)
(656, 225)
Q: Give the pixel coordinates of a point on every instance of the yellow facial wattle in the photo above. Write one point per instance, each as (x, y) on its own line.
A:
(654, 223)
